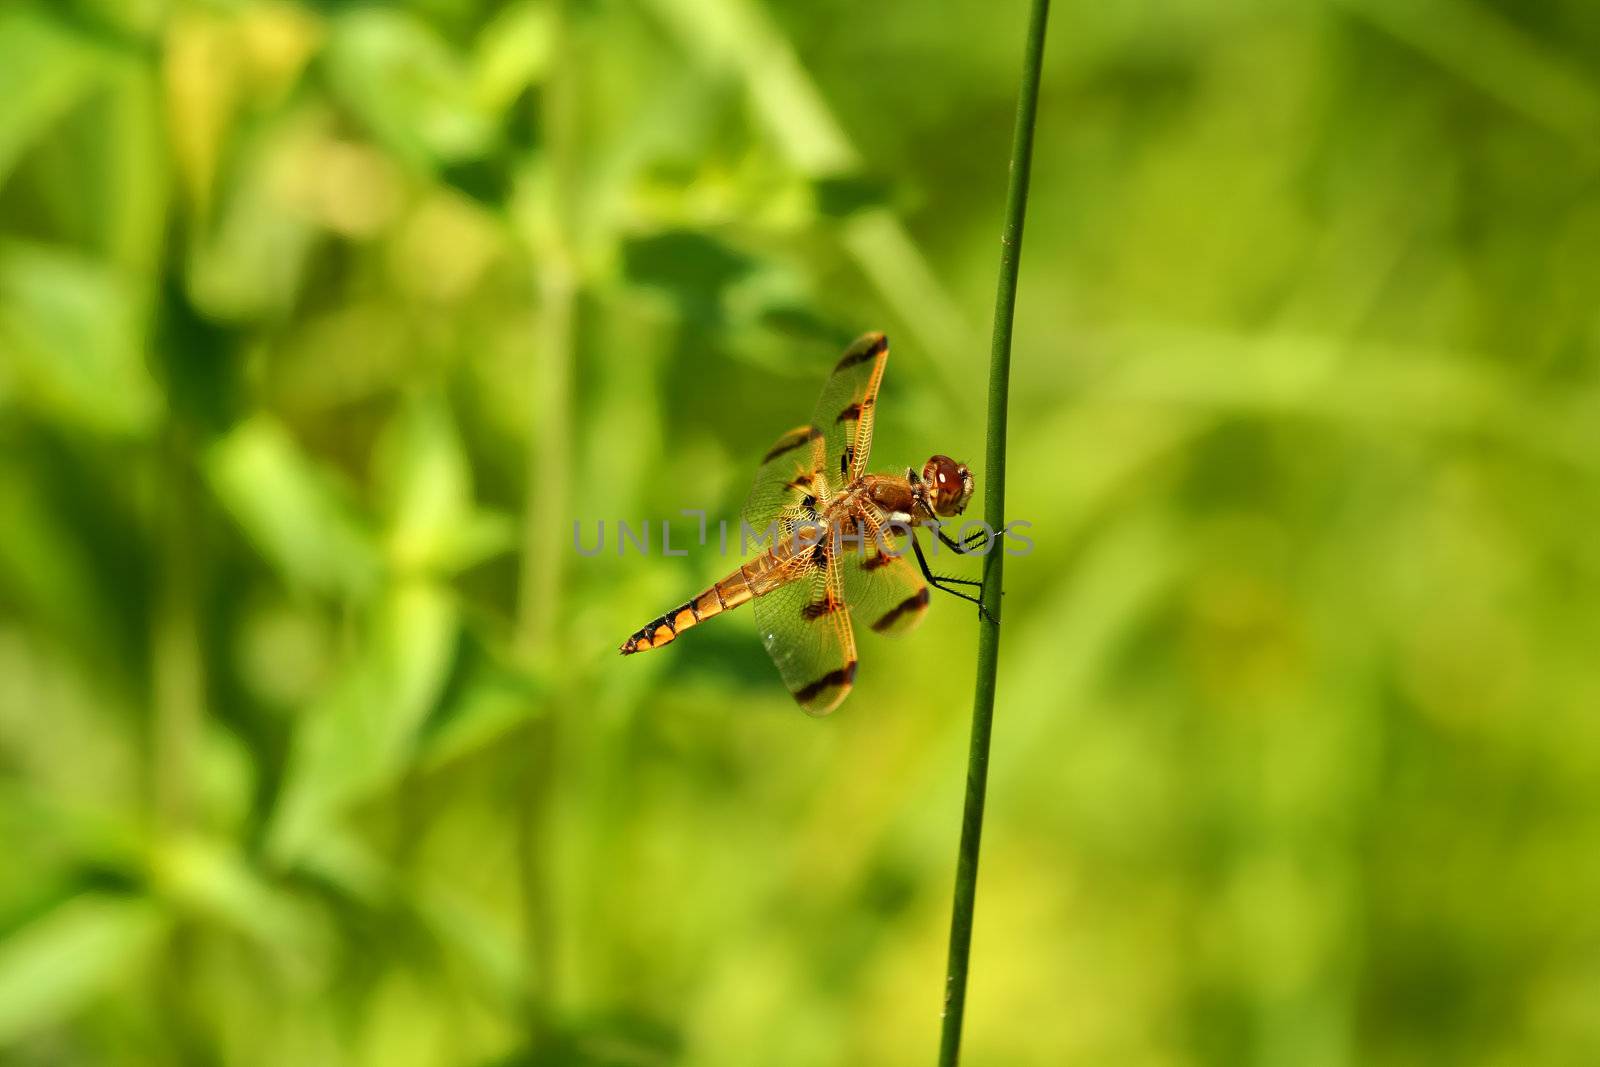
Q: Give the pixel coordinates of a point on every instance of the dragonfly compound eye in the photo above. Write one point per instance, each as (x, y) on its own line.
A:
(949, 484)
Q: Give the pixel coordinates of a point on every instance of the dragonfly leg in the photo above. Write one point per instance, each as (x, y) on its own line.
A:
(967, 545)
(944, 585)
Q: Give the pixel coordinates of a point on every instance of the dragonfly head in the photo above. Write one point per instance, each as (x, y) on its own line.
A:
(949, 485)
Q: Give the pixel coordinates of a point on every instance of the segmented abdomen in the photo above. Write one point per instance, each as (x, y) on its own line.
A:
(749, 580)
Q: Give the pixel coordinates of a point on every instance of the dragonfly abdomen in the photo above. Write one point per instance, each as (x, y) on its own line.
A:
(725, 595)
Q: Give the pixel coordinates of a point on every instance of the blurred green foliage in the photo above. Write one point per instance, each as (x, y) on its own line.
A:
(321, 322)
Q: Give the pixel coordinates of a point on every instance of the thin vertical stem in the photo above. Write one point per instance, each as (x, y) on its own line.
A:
(994, 509)
(177, 673)
(546, 491)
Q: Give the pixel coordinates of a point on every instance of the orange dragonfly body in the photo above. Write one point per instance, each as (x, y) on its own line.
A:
(834, 545)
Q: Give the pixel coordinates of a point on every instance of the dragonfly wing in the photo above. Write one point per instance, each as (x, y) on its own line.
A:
(848, 403)
(789, 472)
(883, 589)
(805, 627)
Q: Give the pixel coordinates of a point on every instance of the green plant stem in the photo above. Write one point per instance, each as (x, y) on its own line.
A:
(548, 488)
(994, 509)
(177, 671)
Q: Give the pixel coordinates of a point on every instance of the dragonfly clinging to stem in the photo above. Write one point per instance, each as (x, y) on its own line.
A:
(837, 541)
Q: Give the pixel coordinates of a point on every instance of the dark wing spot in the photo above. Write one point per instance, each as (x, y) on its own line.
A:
(916, 602)
(818, 608)
(840, 678)
(791, 441)
(849, 414)
(864, 348)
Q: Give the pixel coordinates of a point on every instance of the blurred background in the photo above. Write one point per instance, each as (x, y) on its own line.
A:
(321, 324)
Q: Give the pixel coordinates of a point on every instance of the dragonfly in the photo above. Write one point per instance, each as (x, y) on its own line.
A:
(837, 536)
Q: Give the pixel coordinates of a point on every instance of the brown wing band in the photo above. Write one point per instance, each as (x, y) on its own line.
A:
(819, 608)
(844, 676)
(791, 441)
(916, 602)
(864, 348)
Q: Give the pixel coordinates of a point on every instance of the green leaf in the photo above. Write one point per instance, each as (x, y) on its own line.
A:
(489, 949)
(134, 19)
(424, 473)
(47, 829)
(343, 861)
(694, 267)
(360, 737)
(406, 85)
(250, 262)
(213, 880)
(488, 699)
(617, 1039)
(416, 646)
(128, 183)
(842, 195)
(45, 571)
(292, 510)
(226, 779)
(479, 537)
(54, 966)
(73, 330)
(513, 53)
(44, 71)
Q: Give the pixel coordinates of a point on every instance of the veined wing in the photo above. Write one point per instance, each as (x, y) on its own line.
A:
(883, 589)
(845, 410)
(805, 627)
(790, 471)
